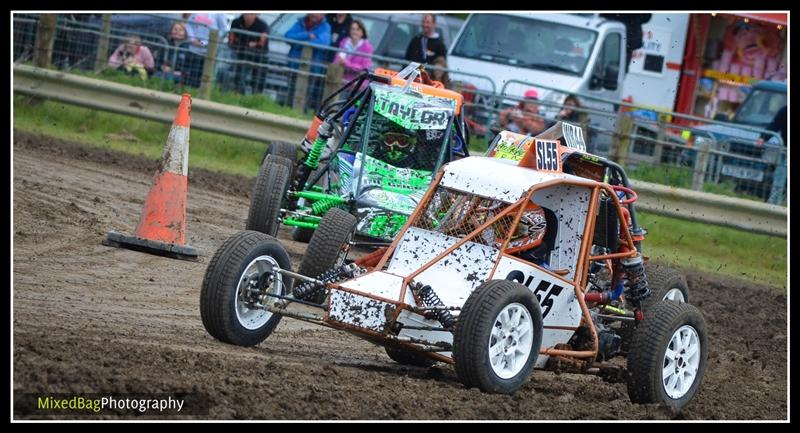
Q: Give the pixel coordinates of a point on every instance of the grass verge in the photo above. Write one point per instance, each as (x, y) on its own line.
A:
(704, 247)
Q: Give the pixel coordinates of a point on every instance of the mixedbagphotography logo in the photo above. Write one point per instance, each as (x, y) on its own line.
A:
(44, 404)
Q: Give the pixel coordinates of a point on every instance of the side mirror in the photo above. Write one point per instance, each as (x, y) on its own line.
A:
(610, 77)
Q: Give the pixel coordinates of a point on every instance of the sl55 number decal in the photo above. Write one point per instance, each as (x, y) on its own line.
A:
(547, 155)
(545, 291)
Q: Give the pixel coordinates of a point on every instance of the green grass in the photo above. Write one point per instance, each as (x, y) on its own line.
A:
(681, 177)
(136, 136)
(255, 102)
(684, 243)
(716, 249)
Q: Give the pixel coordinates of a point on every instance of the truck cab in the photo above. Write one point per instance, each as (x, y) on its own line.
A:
(574, 53)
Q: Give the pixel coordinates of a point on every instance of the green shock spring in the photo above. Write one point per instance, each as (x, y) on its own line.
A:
(322, 206)
(312, 161)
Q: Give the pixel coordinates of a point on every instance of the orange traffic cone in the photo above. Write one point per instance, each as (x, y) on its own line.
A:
(162, 228)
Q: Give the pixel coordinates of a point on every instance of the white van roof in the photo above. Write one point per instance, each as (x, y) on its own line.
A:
(591, 21)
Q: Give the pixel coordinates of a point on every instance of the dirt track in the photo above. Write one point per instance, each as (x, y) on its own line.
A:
(94, 319)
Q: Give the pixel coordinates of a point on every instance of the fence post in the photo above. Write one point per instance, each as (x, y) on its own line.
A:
(333, 79)
(45, 36)
(102, 44)
(209, 65)
(622, 139)
(700, 164)
(301, 80)
(661, 137)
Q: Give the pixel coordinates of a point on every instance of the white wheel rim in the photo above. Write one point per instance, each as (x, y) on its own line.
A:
(511, 340)
(681, 362)
(254, 318)
(675, 295)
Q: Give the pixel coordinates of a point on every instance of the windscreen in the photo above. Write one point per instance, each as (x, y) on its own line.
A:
(527, 43)
(760, 107)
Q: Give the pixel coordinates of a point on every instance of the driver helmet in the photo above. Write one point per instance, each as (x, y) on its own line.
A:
(529, 231)
(398, 144)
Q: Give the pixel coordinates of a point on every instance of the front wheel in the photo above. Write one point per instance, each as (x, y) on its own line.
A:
(668, 354)
(497, 337)
(241, 271)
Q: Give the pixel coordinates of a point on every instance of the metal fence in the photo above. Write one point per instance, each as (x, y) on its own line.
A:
(669, 148)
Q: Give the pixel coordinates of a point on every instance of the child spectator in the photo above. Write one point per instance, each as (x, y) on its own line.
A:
(440, 75)
(523, 118)
(357, 42)
(175, 55)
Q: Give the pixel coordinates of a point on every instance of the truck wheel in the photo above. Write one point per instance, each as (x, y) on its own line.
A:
(497, 337)
(242, 265)
(407, 357)
(668, 353)
(284, 150)
(329, 245)
(269, 194)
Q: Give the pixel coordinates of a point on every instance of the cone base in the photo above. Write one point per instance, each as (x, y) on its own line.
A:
(182, 252)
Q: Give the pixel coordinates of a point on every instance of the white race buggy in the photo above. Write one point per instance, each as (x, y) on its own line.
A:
(529, 257)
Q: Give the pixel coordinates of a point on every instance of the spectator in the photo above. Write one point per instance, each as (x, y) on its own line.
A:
(439, 75)
(133, 57)
(523, 118)
(340, 29)
(428, 45)
(357, 42)
(312, 28)
(175, 55)
(198, 29)
(571, 112)
(633, 32)
(249, 48)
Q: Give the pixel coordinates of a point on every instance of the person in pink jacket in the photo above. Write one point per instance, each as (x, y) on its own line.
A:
(133, 57)
(355, 43)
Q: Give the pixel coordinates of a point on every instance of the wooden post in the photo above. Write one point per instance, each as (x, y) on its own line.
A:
(700, 164)
(301, 80)
(45, 37)
(101, 60)
(210, 65)
(333, 79)
(622, 139)
(661, 137)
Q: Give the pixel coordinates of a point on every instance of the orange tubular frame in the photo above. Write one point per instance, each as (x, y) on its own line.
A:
(578, 281)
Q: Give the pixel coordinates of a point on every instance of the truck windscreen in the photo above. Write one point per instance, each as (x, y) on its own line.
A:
(526, 42)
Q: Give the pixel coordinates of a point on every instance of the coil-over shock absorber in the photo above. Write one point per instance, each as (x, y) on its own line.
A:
(311, 163)
(638, 289)
(431, 299)
(310, 289)
(322, 206)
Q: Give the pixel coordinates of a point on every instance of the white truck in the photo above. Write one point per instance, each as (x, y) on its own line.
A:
(582, 54)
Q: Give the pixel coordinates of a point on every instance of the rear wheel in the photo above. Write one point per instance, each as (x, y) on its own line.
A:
(242, 269)
(665, 283)
(268, 196)
(284, 150)
(497, 337)
(668, 354)
(329, 244)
